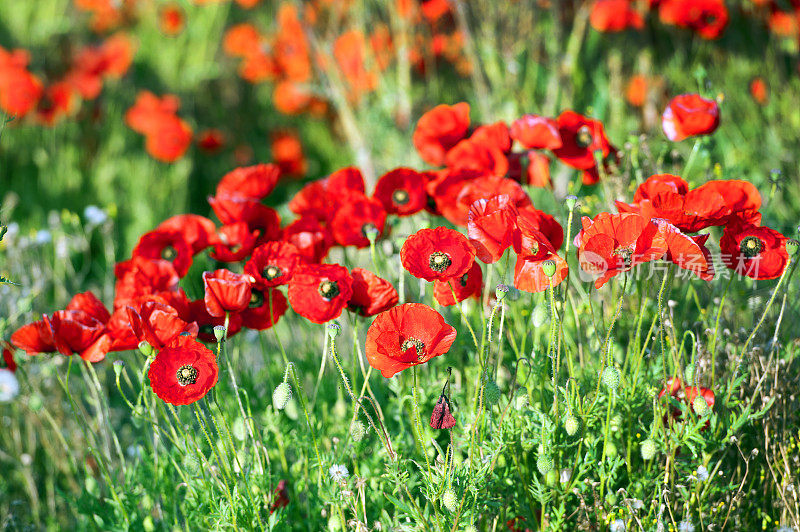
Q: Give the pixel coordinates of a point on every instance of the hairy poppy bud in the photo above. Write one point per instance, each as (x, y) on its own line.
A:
(544, 463)
(611, 450)
(219, 332)
(281, 395)
(700, 406)
(791, 247)
(333, 329)
(491, 393)
(571, 424)
(549, 267)
(611, 378)
(357, 430)
(551, 478)
(450, 500)
(539, 315)
(688, 374)
(648, 449)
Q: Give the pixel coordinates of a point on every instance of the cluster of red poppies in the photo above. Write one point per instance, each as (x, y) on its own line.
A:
(22, 92)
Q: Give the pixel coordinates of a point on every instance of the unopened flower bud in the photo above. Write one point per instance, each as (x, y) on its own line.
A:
(648, 449)
(491, 393)
(450, 500)
(544, 463)
(281, 395)
(219, 332)
(611, 378)
(700, 406)
(571, 424)
(357, 430)
(688, 374)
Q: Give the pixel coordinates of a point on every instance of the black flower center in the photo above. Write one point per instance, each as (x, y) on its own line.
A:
(750, 246)
(400, 197)
(369, 229)
(169, 253)
(625, 253)
(187, 375)
(583, 138)
(256, 298)
(207, 329)
(271, 272)
(439, 261)
(464, 279)
(328, 289)
(535, 248)
(418, 345)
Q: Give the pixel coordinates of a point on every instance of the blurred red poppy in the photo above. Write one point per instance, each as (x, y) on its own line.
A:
(440, 129)
(759, 91)
(581, 137)
(371, 294)
(225, 292)
(8, 356)
(401, 191)
(614, 16)
(468, 285)
(19, 89)
(183, 372)
(614, 243)
(689, 115)
(752, 251)
(437, 254)
(685, 394)
(495, 135)
(169, 139)
(211, 140)
(405, 336)
(287, 153)
(536, 132)
(349, 50)
(248, 182)
(319, 292)
(707, 18)
(140, 276)
(166, 245)
(352, 222)
(171, 19)
(197, 231)
(636, 90)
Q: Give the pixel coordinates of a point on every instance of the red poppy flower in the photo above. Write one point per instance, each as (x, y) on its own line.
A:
(8, 356)
(312, 239)
(236, 242)
(20, 90)
(537, 173)
(211, 140)
(685, 394)
(614, 243)
(169, 139)
(171, 19)
(57, 102)
(321, 199)
(740, 197)
(183, 372)
(440, 129)
(468, 285)
(197, 231)
(689, 115)
(371, 294)
(257, 314)
(470, 154)
(248, 182)
(319, 292)
(125, 336)
(166, 245)
(614, 16)
(273, 264)
(533, 249)
(355, 218)
(536, 132)
(581, 137)
(257, 216)
(437, 254)
(349, 50)
(196, 312)
(405, 336)
(636, 90)
(491, 227)
(759, 91)
(287, 152)
(707, 18)
(33, 338)
(455, 195)
(140, 276)
(158, 324)
(225, 291)
(241, 40)
(88, 303)
(688, 252)
(401, 191)
(544, 223)
(752, 251)
(494, 135)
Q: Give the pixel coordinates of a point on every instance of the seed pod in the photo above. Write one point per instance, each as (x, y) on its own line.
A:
(281, 395)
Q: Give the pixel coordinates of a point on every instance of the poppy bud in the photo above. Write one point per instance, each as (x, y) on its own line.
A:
(145, 348)
(571, 424)
(571, 202)
(500, 292)
(491, 393)
(357, 430)
(549, 267)
(35, 402)
(688, 374)
(539, 316)
(648, 449)
(611, 450)
(118, 365)
(544, 463)
(700, 406)
(521, 401)
(791, 247)
(449, 500)
(551, 477)
(281, 395)
(333, 329)
(219, 332)
(611, 378)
